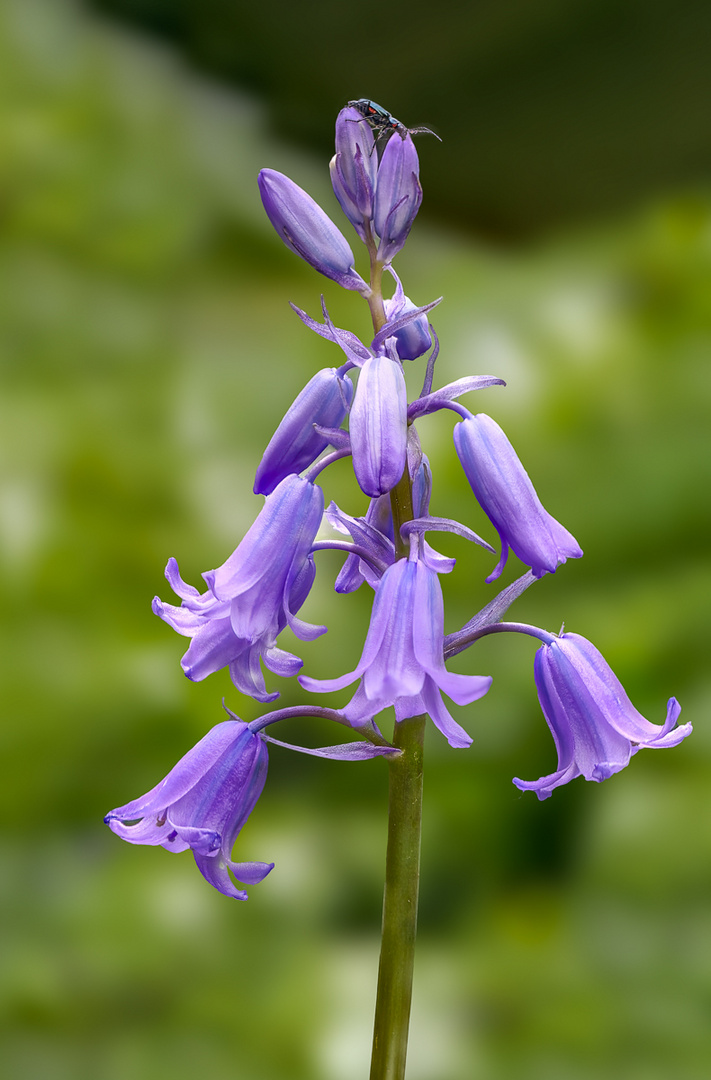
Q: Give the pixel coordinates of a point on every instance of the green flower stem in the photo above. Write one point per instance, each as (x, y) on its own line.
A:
(402, 866)
(402, 877)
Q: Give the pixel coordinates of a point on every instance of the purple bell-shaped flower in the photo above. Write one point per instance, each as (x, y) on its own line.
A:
(202, 804)
(403, 660)
(254, 595)
(508, 498)
(595, 726)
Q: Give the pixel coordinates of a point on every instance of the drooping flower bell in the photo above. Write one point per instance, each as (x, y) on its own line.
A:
(202, 804)
(507, 496)
(595, 726)
(308, 230)
(254, 595)
(403, 662)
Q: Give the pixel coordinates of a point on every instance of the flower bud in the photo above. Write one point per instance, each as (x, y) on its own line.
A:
(307, 229)
(354, 168)
(414, 339)
(378, 426)
(508, 498)
(296, 444)
(398, 195)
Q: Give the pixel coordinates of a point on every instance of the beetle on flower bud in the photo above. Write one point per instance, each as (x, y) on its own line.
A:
(382, 122)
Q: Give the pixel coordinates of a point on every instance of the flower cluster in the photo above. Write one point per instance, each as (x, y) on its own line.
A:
(257, 592)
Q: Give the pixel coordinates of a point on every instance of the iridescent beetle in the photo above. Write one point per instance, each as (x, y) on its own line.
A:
(381, 121)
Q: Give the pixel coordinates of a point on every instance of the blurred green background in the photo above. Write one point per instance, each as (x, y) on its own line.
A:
(148, 351)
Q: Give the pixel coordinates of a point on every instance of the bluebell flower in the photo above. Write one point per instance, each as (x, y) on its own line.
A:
(402, 664)
(398, 196)
(378, 425)
(296, 444)
(595, 726)
(202, 804)
(508, 498)
(254, 595)
(308, 230)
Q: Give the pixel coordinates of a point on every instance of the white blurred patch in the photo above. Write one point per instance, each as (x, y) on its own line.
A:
(439, 1043)
(580, 316)
(493, 348)
(24, 522)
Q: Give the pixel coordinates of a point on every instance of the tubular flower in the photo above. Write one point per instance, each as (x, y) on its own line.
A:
(202, 804)
(507, 496)
(308, 230)
(595, 726)
(254, 595)
(296, 444)
(378, 426)
(402, 662)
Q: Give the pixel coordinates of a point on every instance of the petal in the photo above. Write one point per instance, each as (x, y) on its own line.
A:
(596, 678)
(398, 195)
(390, 666)
(288, 522)
(455, 735)
(282, 663)
(325, 686)
(215, 871)
(179, 587)
(181, 619)
(251, 873)
(224, 797)
(544, 787)
(577, 721)
(146, 831)
(213, 647)
(246, 674)
(202, 841)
